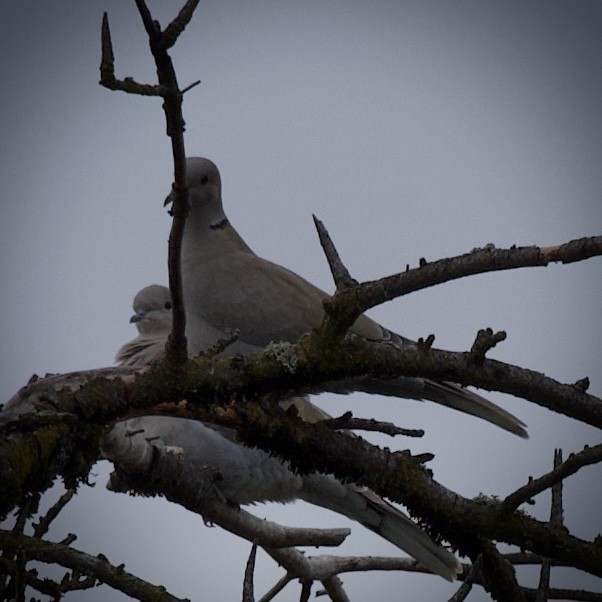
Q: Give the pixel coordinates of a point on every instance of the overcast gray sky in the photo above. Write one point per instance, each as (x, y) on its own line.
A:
(412, 129)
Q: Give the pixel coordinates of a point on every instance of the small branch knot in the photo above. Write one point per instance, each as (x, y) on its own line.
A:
(485, 340)
(221, 345)
(425, 344)
(582, 385)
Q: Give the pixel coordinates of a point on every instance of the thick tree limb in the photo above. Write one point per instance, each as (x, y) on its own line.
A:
(59, 411)
(455, 517)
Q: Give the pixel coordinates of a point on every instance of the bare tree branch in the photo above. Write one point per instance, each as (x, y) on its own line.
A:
(54, 425)
(469, 578)
(349, 303)
(484, 341)
(565, 594)
(590, 455)
(107, 69)
(277, 588)
(172, 96)
(247, 588)
(164, 473)
(334, 588)
(325, 367)
(543, 589)
(116, 577)
(176, 27)
(404, 481)
(340, 274)
(42, 527)
(176, 349)
(347, 421)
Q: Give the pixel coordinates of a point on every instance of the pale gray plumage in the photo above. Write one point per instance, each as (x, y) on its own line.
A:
(152, 316)
(227, 287)
(248, 476)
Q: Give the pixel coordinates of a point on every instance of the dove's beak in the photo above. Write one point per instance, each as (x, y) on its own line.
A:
(138, 316)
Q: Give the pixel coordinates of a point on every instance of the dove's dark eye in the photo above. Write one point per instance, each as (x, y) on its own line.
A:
(167, 305)
(204, 179)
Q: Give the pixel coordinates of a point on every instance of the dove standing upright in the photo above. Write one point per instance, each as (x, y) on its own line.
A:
(227, 287)
(251, 475)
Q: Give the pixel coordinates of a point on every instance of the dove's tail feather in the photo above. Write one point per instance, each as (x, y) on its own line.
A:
(456, 397)
(444, 393)
(372, 512)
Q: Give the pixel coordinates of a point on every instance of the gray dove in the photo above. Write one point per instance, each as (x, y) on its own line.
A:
(250, 475)
(152, 317)
(227, 287)
(152, 307)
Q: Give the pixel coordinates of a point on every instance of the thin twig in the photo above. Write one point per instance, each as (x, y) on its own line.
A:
(247, 587)
(556, 516)
(334, 588)
(589, 455)
(469, 579)
(340, 274)
(107, 69)
(168, 89)
(543, 588)
(277, 588)
(116, 577)
(305, 590)
(555, 593)
(347, 421)
(176, 27)
(42, 527)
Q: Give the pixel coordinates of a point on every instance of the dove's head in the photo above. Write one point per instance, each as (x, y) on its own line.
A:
(204, 192)
(153, 309)
(207, 232)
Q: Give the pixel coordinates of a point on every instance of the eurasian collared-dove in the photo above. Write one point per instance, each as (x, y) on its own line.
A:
(152, 317)
(227, 287)
(152, 307)
(250, 475)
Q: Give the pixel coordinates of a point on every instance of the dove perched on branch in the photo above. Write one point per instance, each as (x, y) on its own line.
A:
(152, 317)
(251, 475)
(227, 287)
